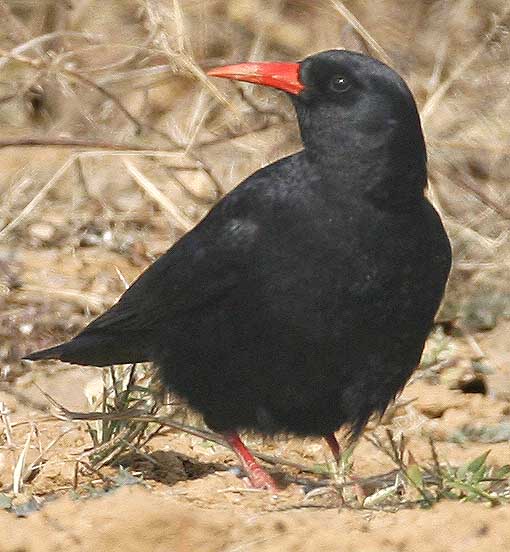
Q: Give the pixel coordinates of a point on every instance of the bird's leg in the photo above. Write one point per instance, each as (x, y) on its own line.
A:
(334, 446)
(337, 453)
(258, 477)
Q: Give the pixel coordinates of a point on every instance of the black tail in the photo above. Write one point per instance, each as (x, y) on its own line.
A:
(52, 352)
(96, 350)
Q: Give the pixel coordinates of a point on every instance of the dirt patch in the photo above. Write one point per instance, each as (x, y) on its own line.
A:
(134, 518)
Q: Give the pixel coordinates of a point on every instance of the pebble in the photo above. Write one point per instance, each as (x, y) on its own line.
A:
(42, 231)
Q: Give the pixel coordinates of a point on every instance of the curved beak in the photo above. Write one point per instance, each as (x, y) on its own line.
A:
(284, 76)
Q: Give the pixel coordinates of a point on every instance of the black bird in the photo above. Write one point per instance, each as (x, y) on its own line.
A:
(302, 301)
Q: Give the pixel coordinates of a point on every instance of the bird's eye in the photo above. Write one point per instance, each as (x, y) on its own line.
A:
(339, 84)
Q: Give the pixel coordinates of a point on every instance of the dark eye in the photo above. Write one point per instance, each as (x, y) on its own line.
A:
(339, 84)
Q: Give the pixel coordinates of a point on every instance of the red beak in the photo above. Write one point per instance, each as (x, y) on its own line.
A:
(284, 76)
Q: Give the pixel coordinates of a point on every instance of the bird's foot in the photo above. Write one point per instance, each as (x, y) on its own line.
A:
(258, 477)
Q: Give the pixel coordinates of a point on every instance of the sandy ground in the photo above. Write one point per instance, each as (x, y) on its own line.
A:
(134, 519)
(184, 493)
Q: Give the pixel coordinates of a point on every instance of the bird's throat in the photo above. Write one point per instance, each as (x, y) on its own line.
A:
(386, 183)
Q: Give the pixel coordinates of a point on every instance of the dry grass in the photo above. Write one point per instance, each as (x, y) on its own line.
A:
(114, 143)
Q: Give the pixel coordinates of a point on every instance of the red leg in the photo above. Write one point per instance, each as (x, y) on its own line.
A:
(334, 446)
(337, 453)
(258, 477)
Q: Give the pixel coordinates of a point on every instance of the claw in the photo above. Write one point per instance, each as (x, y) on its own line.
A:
(258, 477)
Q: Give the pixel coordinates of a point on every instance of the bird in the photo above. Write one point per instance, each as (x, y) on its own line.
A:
(301, 303)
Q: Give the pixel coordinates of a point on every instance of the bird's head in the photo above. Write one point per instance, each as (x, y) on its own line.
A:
(355, 113)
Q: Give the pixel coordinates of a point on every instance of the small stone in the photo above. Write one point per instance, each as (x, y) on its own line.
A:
(42, 231)
(26, 328)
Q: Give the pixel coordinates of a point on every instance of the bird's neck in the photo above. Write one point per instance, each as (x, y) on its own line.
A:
(393, 176)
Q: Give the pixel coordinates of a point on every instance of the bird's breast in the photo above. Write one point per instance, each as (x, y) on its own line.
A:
(367, 269)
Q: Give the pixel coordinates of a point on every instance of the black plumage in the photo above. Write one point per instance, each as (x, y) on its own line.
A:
(302, 301)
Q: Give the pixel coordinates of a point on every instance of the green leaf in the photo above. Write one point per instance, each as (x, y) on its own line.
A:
(478, 463)
(415, 475)
(321, 469)
(380, 496)
(502, 472)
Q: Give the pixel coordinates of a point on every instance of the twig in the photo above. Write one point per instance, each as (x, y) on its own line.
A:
(454, 144)
(135, 50)
(90, 300)
(496, 32)
(182, 44)
(43, 141)
(356, 24)
(34, 43)
(91, 84)
(4, 412)
(462, 183)
(35, 467)
(156, 195)
(17, 476)
(5, 54)
(39, 197)
(182, 58)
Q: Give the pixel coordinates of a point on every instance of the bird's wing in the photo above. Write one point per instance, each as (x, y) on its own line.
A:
(220, 254)
(203, 265)
(198, 269)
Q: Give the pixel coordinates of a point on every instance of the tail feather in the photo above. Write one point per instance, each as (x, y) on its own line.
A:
(94, 350)
(52, 352)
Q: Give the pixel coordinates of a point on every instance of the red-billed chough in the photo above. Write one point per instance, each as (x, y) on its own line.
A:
(302, 301)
